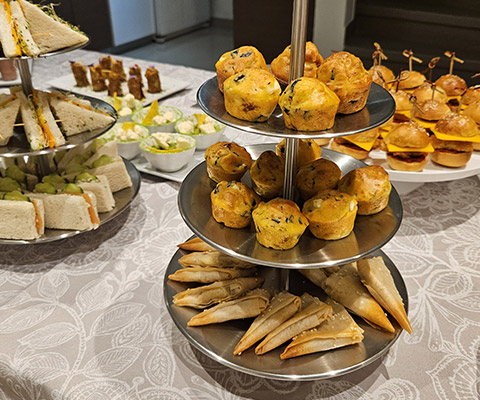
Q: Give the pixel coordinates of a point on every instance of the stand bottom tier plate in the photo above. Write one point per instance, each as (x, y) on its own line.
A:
(123, 198)
(218, 341)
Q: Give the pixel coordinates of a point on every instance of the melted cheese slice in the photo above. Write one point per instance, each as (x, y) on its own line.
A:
(396, 149)
(363, 145)
(443, 136)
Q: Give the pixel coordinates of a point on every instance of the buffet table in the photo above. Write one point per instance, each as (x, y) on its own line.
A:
(84, 317)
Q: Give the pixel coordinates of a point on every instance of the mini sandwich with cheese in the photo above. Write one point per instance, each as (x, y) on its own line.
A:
(408, 145)
(453, 140)
(357, 146)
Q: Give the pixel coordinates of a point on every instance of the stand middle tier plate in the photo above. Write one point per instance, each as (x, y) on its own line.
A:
(370, 232)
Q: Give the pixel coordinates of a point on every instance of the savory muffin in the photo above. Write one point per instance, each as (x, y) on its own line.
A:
(345, 75)
(279, 224)
(233, 203)
(331, 214)
(236, 61)
(251, 95)
(319, 175)
(280, 66)
(267, 174)
(308, 150)
(227, 161)
(308, 105)
(370, 186)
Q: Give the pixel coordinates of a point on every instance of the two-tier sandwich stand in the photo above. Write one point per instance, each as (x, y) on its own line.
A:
(18, 146)
(369, 235)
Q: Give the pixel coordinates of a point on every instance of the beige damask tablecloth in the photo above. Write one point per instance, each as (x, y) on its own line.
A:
(84, 318)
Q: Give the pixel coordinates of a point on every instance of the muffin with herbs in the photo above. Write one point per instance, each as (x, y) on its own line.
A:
(279, 224)
(227, 161)
(233, 204)
(267, 174)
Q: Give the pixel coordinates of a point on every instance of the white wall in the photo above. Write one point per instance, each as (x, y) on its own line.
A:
(130, 21)
(222, 9)
(330, 20)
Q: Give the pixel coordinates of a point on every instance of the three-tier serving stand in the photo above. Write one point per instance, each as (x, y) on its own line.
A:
(369, 235)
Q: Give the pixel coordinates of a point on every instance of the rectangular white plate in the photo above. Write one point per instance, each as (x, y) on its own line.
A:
(169, 86)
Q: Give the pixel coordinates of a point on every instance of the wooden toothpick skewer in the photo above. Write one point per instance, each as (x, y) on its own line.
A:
(378, 55)
(413, 99)
(451, 55)
(431, 65)
(409, 55)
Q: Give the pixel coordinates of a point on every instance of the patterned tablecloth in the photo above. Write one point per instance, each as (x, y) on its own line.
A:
(84, 318)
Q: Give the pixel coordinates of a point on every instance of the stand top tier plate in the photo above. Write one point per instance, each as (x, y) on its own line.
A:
(51, 53)
(370, 233)
(18, 144)
(379, 109)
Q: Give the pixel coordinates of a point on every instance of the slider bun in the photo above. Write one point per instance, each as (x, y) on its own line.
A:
(424, 92)
(451, 153)
(344, 146)
(457, 125)
(452, 84)
(408, 134)
(472, 95)
(380, 70)
(473, 111)
(413, 79)
(433, 110)
(402, 100)
(409, 164)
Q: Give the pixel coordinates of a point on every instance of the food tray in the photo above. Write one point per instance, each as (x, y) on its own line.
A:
(378, 110)
(18, 144)
(123, 198)
(218, 341)
(370, 232)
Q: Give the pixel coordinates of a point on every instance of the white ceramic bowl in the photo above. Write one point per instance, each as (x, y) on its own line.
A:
(127, 148)
(165, 160)
(139, 115)
(204, 140)
(128, 117)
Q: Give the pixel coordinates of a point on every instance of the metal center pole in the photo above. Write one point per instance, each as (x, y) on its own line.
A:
(297, 63)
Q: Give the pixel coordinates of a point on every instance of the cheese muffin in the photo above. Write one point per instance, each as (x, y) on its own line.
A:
(227, 161)
(345, 75)
(233, 203)
(317, 176)
(236, 61)
(280, 66)
(370, 186)
(251, 95)
(308, 105)
(331, 214)
(279, 224)
(267, 174)
(308, 150)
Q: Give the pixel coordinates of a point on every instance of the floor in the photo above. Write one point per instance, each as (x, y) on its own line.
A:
(198, 49)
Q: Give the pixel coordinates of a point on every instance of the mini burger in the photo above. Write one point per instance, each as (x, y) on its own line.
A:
(453, 85)
(357, 146)
(472, 95)
(453, 140)
(431, 110)
(408, 145)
